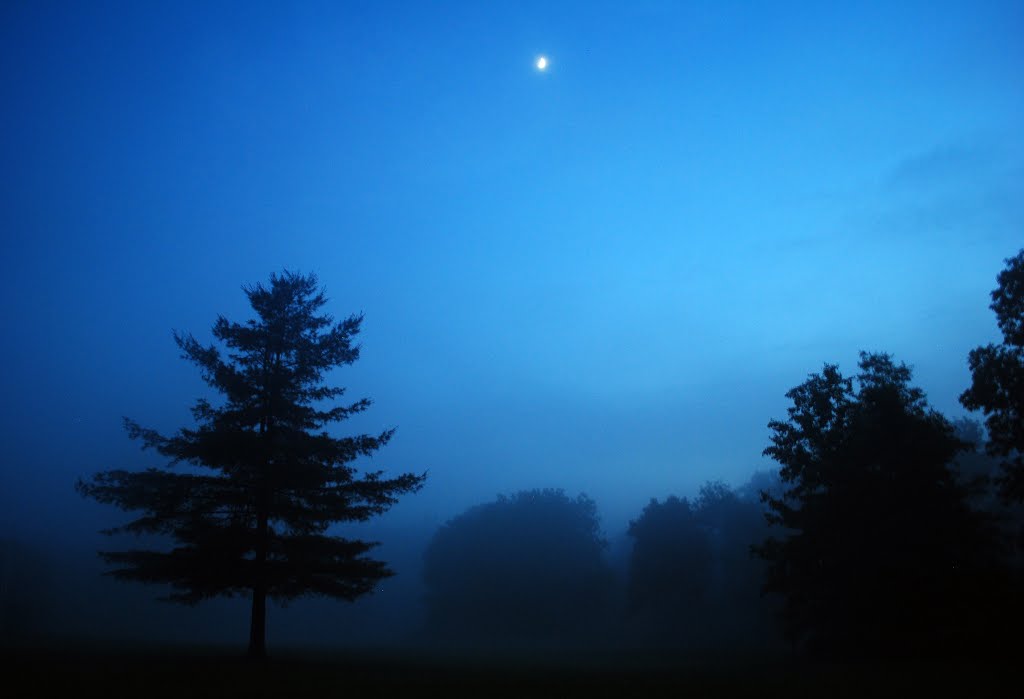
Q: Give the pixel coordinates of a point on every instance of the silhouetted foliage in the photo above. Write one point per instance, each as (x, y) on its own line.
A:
(997, 380)
(882, 554)
(692, 578)
(670, 568)
(738, 612)
(976, 469)
(252, 517)
(761, 481)
(528, 567)
(980, 471)
(969, 431)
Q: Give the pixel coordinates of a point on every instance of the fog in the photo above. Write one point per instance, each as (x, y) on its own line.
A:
(602, 278)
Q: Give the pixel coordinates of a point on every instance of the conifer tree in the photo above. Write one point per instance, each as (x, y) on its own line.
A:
(250, 492)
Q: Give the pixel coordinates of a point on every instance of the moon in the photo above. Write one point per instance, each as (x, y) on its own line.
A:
(542, 63)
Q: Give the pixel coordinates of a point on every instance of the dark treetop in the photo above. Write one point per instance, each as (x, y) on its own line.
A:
(881, 553)
(250, 512)
(997, 379)
(525, 568)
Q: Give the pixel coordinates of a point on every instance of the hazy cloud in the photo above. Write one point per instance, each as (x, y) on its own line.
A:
(958, 191)
(946, 163)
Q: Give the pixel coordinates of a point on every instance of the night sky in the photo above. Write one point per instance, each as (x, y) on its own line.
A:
(601, 277)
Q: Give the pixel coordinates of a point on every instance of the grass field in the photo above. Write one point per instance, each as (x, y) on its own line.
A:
(115, 671)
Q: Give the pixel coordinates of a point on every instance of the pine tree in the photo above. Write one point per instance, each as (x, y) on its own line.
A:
(251, 514)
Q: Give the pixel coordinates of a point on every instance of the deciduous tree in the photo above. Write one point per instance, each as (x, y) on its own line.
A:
(524, 568)
(880, 553)
(997, 380)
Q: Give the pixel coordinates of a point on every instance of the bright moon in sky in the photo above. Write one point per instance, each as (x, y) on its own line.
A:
(542, 63)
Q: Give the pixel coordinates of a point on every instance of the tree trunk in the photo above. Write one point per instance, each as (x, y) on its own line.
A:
(258, 624)
(258, 620)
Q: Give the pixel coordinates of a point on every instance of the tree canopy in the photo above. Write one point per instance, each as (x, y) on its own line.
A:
(526, 567)
(997, 379)
(670, 565)
(692, 579)
(248, 494)
(880, 548)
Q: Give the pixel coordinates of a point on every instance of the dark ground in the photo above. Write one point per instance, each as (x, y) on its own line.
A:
(113, 671)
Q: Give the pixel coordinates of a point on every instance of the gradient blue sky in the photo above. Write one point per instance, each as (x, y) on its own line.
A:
(603, 277)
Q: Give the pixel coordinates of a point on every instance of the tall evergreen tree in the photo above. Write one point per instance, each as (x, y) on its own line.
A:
(997, 380)
(251, 517)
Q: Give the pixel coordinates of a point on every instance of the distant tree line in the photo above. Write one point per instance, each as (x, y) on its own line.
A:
(524, 568)
(532, 568)
(692, 579)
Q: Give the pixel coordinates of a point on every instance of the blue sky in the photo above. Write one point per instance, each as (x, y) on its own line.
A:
(603, 277)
